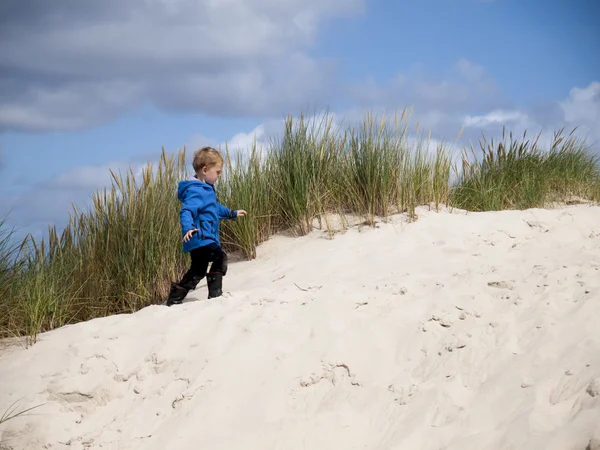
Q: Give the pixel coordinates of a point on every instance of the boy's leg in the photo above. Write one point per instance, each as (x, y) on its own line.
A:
(219, 260)
(192, 277)
(197, 270)
(218, 270)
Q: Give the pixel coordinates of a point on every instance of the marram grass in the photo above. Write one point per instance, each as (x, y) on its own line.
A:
(519, 174)
(121, 254)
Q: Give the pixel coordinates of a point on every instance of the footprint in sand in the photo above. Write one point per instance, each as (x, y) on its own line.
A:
(262, 301)
(515, 299)
(444, 320)
(564, 397)
(334, 373)
(462, 315)
(537, 225)
(402, 395)
(593, 389)
(187, 394)
(502, 285)
(594, 444)
(458, 342)
(566, 388)
(80, 401)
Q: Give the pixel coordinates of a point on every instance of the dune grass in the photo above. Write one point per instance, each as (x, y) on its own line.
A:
(519, 174)
(7, 255)
(11, 412)
(122, 253)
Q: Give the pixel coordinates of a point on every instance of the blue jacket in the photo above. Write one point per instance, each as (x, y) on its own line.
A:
(200, 209)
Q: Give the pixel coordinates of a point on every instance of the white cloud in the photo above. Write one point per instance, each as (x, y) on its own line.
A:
(244, 141)
(49, 202)
(440, 102)
(497, 117)
(581, 110)
(89, 178)
(467, 98)
(67, 64)
(583, 106)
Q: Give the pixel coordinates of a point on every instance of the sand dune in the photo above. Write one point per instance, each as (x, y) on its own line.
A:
(457, 331)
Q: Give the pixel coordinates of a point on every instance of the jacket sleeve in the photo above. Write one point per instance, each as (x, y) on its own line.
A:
(226, 213)
(186, 215)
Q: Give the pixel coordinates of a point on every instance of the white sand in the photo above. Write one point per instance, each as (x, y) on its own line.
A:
(457, 331)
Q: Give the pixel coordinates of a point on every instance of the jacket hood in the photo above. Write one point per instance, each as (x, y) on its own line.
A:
(193, 183)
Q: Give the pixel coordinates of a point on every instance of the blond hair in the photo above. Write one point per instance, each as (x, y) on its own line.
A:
(206, 156)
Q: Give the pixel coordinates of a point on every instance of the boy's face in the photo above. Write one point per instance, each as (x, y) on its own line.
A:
(212, 173)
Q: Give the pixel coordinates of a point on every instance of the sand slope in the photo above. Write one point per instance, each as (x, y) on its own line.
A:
(457, 331)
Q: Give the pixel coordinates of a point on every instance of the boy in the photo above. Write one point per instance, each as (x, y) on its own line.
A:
(199, 217)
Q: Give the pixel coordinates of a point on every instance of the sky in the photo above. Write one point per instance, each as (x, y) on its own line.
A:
(90, 86)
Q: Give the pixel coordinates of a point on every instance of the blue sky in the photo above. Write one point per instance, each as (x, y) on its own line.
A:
(87, 88)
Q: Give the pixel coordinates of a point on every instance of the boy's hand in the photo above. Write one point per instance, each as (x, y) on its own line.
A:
(189, 234)
(241, 213)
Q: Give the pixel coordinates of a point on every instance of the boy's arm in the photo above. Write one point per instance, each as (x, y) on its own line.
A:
(186, 219)
(186, 215)
(226, 213)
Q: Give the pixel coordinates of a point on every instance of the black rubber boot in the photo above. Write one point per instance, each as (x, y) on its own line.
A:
(215, 284)
(176, 295)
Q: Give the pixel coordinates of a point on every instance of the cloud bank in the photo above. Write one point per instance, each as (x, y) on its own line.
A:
(67, 64)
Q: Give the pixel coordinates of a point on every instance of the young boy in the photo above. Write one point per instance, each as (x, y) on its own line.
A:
(199, 217)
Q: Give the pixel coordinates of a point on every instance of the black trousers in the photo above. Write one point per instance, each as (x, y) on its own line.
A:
(201, 257)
